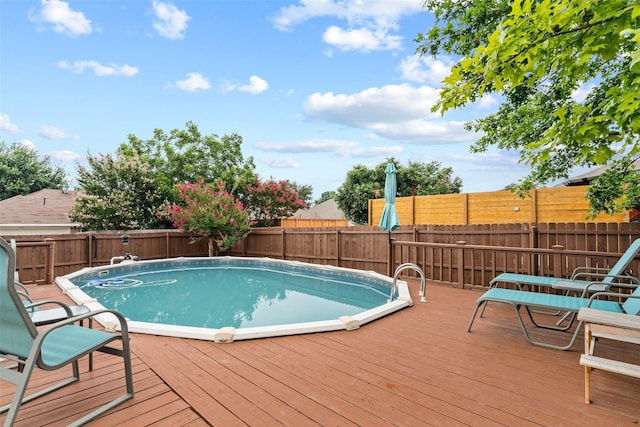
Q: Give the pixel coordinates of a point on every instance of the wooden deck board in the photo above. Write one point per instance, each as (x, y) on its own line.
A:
(419, 366)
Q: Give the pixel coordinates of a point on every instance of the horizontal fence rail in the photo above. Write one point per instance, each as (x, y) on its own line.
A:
(463, 256)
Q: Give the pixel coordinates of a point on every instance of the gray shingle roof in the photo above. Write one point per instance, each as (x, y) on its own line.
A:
(41, 207)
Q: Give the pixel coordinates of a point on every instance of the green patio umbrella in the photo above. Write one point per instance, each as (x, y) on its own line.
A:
(389, 220)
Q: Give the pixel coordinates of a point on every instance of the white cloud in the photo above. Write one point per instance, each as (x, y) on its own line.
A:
(64, 156)
(27, 143)
(425, 69)
(51, 132)
(6, 125)
(398, 112)
(255, 86)
(371, 151)
(384, 13)
(63, 19)
(170, 21)
(425, 132)
(99, 69)
(193, 82)
(362, 39)
(391, 103)
(581, 93)
(307, 146)
(281, 162)
(369, 22)
(487, 102)
(338, 147)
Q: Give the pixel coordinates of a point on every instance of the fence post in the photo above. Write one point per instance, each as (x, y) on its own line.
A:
(88, 260)
(460, 251)
(284, 245)
(557, 260)
(167, 244)
(337, 248)
(51, 260)
(534, 268)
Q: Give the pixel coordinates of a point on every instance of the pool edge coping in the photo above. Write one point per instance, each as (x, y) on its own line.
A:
(230, 334)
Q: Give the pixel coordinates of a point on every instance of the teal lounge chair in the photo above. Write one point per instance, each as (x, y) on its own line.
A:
(55, 346)
(563, 303)
(604, 277)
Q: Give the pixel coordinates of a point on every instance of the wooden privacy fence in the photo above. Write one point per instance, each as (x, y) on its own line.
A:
(40, 259)
(312, 222)
(557, 204)
(463, 256)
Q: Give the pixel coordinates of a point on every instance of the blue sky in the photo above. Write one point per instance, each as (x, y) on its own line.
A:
(314, 87)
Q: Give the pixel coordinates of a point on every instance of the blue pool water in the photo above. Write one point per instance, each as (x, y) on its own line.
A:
(220, 296)
(228, 298)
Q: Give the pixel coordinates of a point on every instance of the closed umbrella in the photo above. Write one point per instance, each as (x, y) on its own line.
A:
(389, 220)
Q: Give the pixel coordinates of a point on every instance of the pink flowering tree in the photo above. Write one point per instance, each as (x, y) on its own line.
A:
(271, 200)
(211, 213)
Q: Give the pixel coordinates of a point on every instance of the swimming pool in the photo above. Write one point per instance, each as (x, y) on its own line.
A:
(194, 297)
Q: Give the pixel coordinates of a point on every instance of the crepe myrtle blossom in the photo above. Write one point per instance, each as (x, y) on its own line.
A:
(209, 212)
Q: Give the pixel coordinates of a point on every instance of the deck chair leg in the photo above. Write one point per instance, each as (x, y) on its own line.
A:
(540, 343)
(571, 318)
(128, 374)
(475, 312)
(21, 380)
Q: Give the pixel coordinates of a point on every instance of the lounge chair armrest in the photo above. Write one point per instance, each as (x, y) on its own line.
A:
(21, 287)
(597, 295)
(124, 330)
(46, 302)
(581, 271)
(26, 297)
(625, 277)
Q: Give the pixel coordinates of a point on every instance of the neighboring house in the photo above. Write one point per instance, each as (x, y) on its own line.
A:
(587, 177)
(41, 212)
(324, 214)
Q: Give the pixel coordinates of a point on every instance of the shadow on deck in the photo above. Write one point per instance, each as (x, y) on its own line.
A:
(418, 366)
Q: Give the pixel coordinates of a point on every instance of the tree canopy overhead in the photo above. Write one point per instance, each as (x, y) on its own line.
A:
(22, 172)
(186, 155)
(117, 194)
(537, 56)
(126, 191)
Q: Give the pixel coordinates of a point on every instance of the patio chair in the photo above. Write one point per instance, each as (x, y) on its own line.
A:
(55, 346)
(564, 303)
(582, 279)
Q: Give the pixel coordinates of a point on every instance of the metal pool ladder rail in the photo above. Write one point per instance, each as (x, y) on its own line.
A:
(409, 266)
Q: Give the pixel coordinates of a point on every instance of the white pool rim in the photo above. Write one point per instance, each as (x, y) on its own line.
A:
(230, 334)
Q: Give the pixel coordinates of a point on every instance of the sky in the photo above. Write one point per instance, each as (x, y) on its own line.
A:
(314, 87)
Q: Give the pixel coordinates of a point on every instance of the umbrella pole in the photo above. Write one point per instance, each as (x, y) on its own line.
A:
(390, 257)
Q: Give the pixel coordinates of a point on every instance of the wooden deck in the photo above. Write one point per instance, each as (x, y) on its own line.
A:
(416, 367)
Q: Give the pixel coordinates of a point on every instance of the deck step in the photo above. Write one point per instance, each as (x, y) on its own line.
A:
(610, 365)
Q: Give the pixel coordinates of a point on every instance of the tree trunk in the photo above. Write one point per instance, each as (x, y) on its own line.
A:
(211, 247)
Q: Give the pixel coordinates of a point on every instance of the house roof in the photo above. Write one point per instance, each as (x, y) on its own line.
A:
(587, 177)
(47, 206)
(326, 210)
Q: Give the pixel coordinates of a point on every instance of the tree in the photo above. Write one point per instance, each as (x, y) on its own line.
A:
(270, 200)
(305, 192)
(212, 214)
(188, 155)
(327, 195)
(417, 179)
(537, 56)
(117, 194)
(21, 172)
